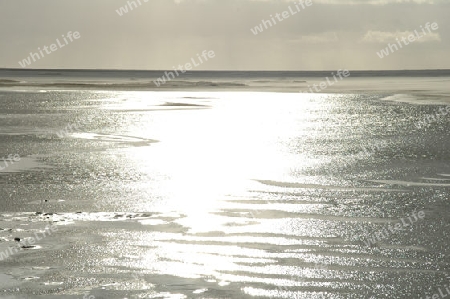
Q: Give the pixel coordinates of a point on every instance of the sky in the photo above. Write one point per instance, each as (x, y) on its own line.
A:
(160, 34)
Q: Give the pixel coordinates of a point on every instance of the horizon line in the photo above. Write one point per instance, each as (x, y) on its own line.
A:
(193, 71)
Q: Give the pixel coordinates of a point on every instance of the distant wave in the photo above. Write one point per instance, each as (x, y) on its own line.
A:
(172, 104)
(278, 80)
(127, 85)
(143, 74)
(50, 74)
(209, 83)
(418, 99)
(8, 81)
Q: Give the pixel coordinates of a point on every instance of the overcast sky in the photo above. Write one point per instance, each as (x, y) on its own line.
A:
(159, 34)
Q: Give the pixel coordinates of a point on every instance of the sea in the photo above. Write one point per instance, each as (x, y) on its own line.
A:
(224, 184)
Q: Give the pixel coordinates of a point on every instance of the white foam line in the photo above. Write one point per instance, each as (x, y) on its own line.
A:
(434, 179)
(404, 183)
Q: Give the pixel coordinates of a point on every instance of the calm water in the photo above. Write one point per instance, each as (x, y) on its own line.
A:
(223, 194)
